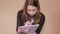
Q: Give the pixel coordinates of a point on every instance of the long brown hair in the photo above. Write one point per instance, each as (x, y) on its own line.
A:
(25, 16)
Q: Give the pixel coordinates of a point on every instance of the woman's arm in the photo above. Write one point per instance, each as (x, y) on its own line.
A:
(41, 23)
(19, 19)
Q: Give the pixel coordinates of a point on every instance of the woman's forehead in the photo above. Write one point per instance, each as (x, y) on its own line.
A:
(31, 7)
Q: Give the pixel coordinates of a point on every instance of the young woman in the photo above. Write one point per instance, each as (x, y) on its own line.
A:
(30, 15)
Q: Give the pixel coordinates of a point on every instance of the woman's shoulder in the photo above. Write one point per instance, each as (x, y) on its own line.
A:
(42, 15)
(19, 12)
(42, 19)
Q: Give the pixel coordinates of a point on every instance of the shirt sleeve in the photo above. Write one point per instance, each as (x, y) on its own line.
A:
(19, 20)
(42, 20)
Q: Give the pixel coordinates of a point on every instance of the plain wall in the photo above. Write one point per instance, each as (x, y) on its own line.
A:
(8, 15)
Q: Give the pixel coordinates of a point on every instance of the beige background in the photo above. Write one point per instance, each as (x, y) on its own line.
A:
(8, 15)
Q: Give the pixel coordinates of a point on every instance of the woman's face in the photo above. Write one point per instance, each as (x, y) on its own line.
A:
(31, 10)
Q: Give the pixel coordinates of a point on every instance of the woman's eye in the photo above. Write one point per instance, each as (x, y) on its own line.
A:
(33, 10)
(29, 10)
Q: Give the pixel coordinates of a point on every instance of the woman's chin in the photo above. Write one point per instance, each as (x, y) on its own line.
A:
(31, 15)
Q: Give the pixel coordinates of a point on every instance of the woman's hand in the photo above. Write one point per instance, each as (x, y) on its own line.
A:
(21, 30)
(29, 22)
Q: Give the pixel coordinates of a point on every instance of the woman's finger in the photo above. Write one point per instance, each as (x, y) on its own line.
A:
(27, 23)
(32, 21)
(20, 30)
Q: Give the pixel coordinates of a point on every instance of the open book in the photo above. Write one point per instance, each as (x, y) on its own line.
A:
(31, 28)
